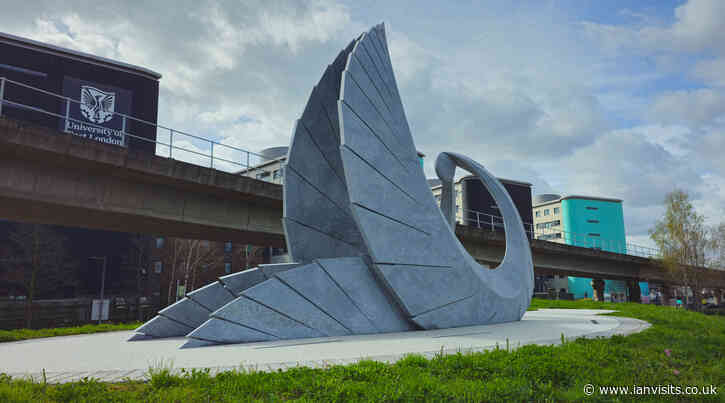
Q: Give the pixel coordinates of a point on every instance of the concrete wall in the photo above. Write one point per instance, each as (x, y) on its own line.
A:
(54, 178)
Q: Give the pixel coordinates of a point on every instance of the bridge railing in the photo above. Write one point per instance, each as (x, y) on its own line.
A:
(169, 142)
(493, 223)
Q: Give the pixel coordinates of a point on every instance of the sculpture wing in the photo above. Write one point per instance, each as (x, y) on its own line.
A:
(374, 252)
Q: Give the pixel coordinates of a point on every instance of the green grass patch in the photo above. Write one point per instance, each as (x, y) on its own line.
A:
(681, 348)
(24, 334)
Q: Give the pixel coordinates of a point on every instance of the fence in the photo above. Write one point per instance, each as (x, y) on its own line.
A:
(494, 223)
(187, 147)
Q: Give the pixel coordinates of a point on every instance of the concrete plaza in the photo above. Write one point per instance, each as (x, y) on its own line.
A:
(109, 357)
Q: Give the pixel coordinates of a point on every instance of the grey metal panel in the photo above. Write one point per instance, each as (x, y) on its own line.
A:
(402, 244)
(413, 285)
(160, 326)
(468, 312)
(358, 283)
(187, 312)
(317, 286)
(386, 71)
(376, 192)
(364, 108)
(310, 244)
(270, 270)
(319, 123)
(220, 331)
(362, 77)
(359, 138)
(283, 299)
(211, 296)
(316, 210)
(254, 315)
(307, 160)
(238, 282)
(367, 52)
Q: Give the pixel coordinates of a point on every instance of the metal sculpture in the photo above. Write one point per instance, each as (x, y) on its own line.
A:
(373, 251)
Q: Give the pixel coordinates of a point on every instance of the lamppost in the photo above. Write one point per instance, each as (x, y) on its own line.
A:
(103, 285)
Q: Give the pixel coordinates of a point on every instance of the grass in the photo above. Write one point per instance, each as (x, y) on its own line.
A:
(25, 334)
(681, 348)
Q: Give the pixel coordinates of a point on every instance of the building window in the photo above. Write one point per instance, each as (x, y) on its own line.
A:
(556, 210)
(261, 175)
(227, 268)
(593, 221)
(227, 247)
(158, 267)
(438, 198)
(537, 213)
(277, 173)
(159, 243)
(592, 208)
(546, 211)
(593, 234)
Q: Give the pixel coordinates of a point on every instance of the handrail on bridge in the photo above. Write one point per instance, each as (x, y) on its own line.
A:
(485, 220)
(247, 160)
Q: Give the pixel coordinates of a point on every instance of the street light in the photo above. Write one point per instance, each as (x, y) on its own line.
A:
(103, 285)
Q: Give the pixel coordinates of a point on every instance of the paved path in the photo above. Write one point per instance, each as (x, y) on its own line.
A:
(109, 357)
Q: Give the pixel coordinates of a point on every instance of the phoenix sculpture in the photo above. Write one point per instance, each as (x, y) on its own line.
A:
(373, 251)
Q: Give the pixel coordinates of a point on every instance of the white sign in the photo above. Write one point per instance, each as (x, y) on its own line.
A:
(97, 106)
(100, 307)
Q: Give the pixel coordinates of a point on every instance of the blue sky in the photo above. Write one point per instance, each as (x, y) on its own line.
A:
(617, 98)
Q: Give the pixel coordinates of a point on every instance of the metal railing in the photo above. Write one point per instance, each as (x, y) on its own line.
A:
(492, 222)
(197, 150)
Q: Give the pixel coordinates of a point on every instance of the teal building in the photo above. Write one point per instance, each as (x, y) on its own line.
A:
(585, 221)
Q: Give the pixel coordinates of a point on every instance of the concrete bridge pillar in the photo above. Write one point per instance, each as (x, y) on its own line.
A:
(598, 286)
(635, 293)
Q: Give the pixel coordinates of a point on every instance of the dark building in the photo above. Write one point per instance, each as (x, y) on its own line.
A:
(475, 206)
(103, 89)
(100, 100)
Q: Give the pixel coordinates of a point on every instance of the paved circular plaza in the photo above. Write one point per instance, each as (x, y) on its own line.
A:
(109, 357)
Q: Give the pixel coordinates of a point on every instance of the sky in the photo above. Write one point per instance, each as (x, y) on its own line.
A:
(621, 99)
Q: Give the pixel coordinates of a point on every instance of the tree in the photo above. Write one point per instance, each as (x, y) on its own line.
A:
(186, 256)
(141, 249)
(683, 240)
(717, 255)
(43, 251)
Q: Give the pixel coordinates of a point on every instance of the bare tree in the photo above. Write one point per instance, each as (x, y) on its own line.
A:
(44, 251)
(683, 240)
(717, 247)
(140, 245)
(187, 256)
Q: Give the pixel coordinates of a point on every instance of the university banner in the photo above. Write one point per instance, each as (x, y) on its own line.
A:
(96, 116)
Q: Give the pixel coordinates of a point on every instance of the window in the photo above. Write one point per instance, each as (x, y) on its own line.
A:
(438, 198)
(227, 268)
(227, 247)
(593, 221)
(593, 234)
(159, 243)
(546, 211)
(261, 175)
(592, 208)
(537, 213)
(277, 173)
(556, 210)
(158, 266)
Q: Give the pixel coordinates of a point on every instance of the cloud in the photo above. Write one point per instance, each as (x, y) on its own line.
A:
(569, 104)
(697, 107)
